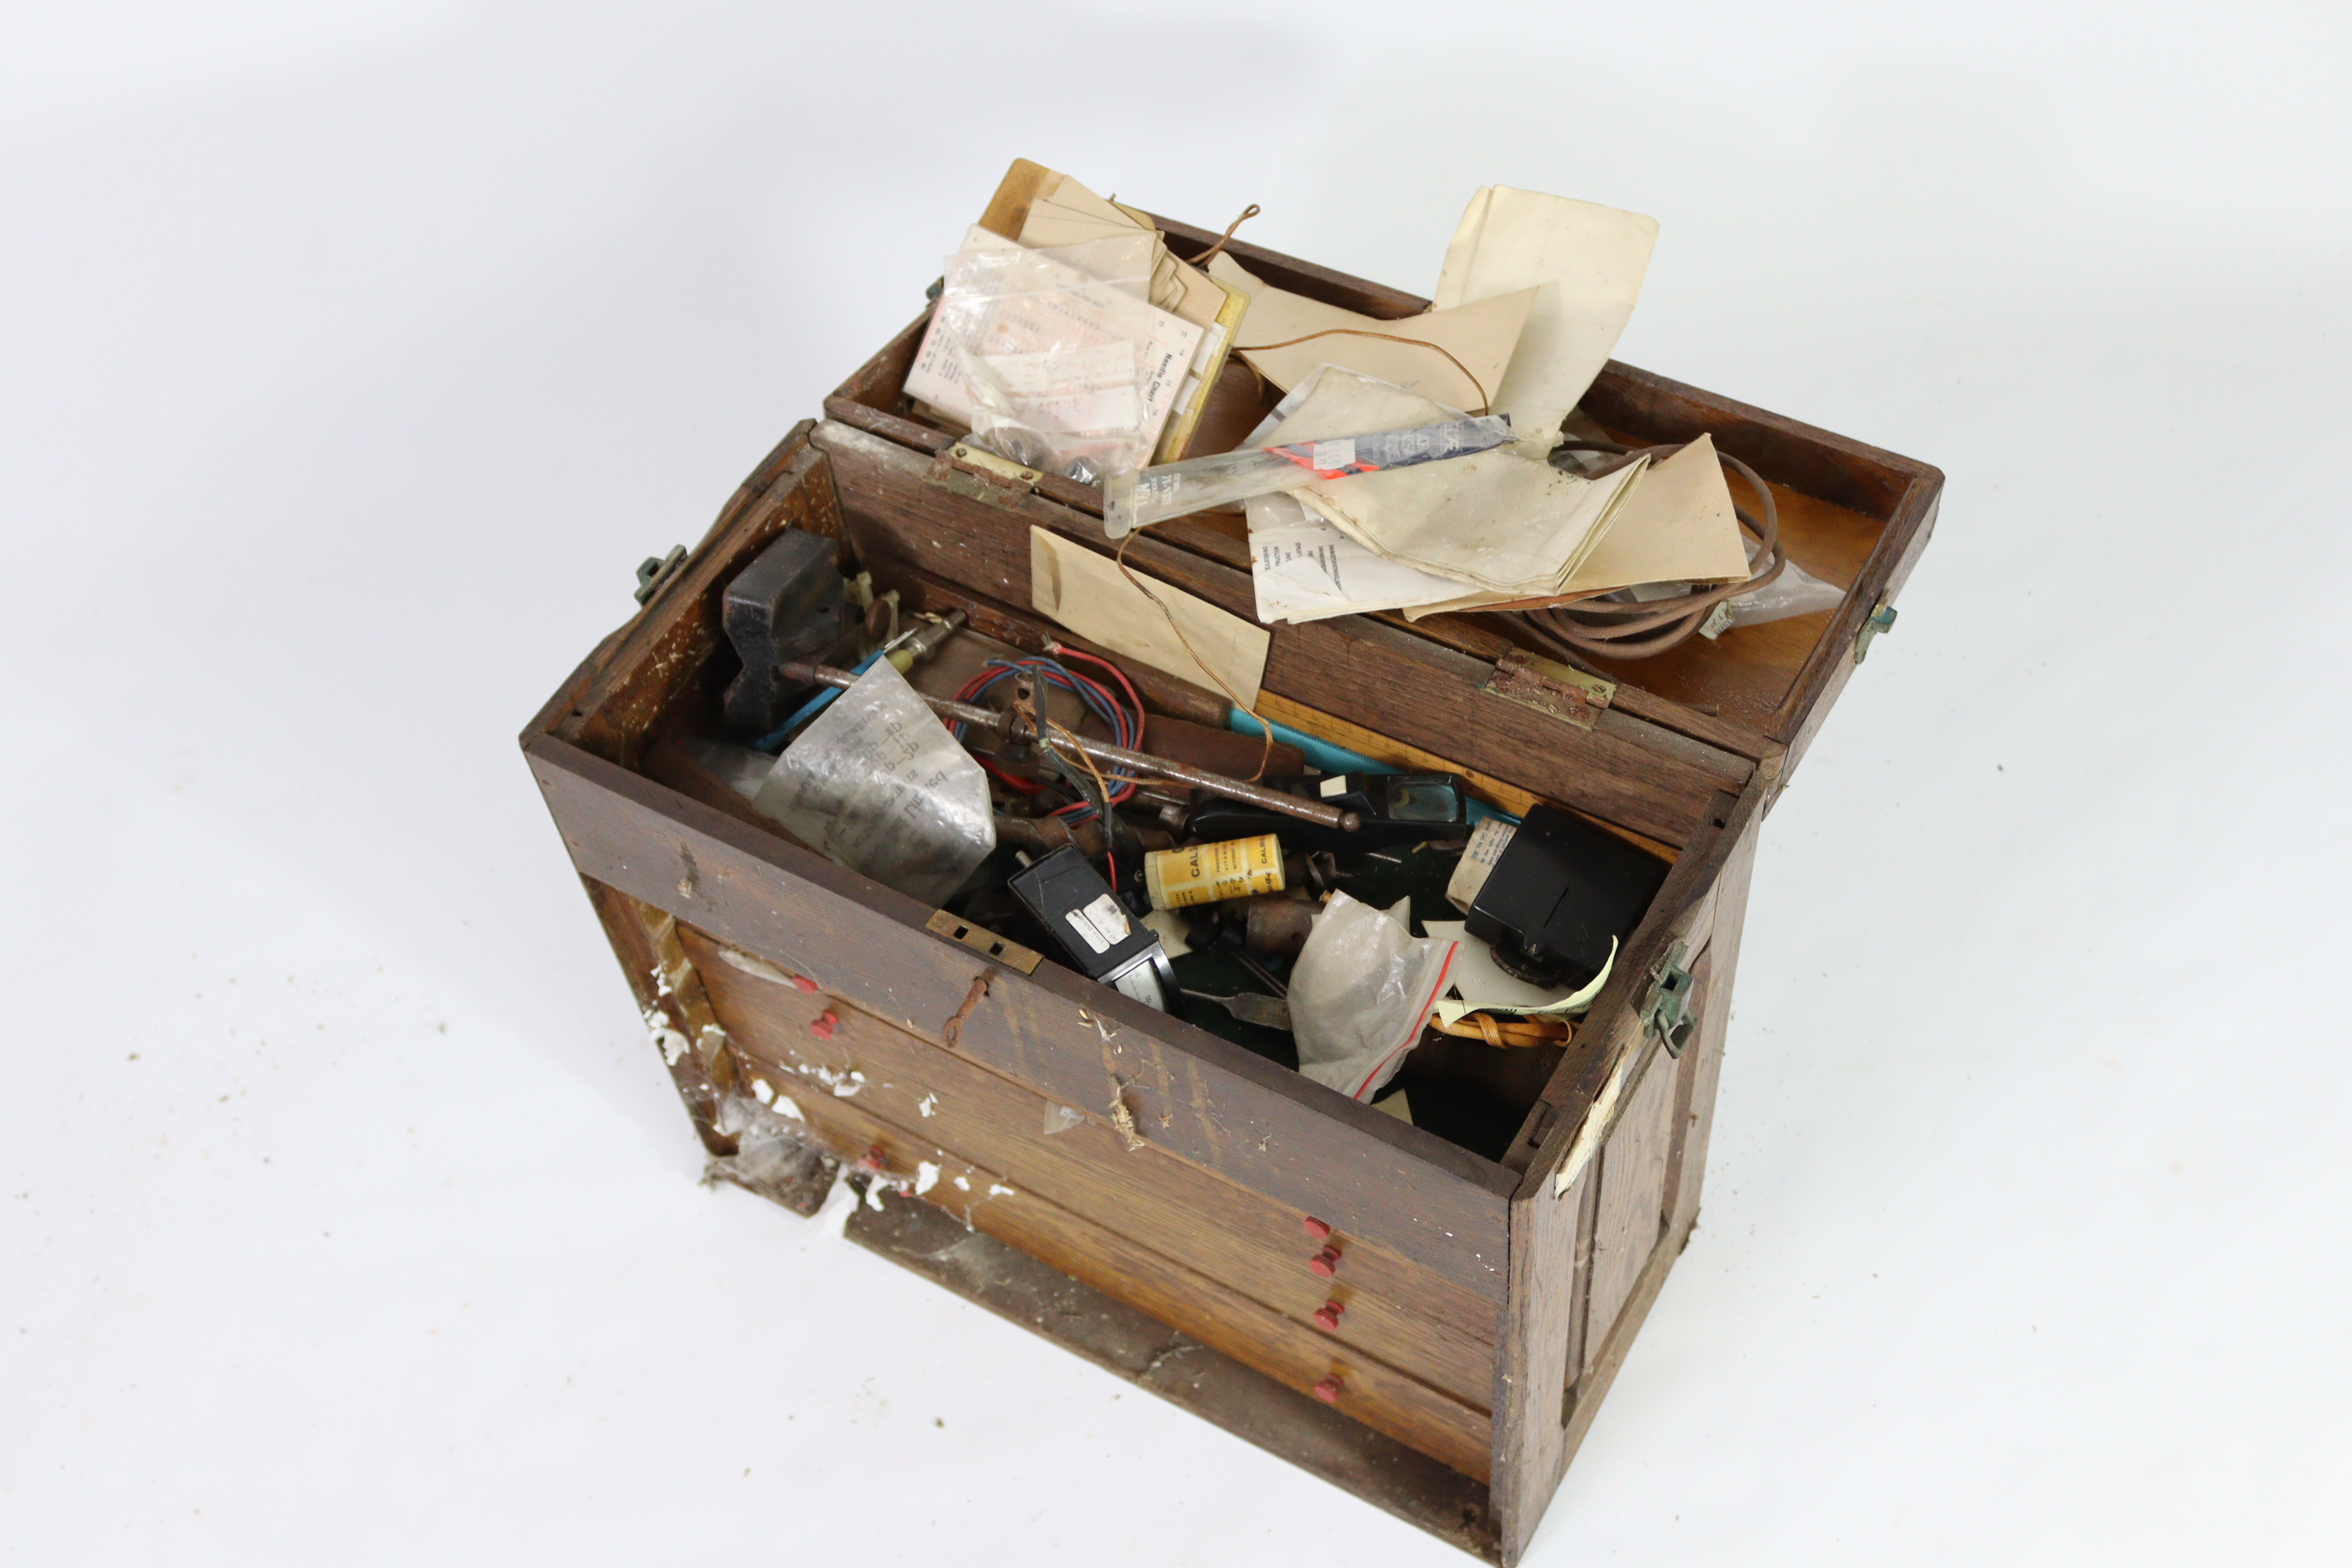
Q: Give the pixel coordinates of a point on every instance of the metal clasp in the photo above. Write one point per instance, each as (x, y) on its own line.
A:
(982, 476)
(1882, 620)
(1666, 1009)
(1551, 687)
(657, 570)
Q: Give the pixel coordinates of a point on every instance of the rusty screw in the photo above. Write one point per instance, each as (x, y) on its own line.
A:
(873, 1160)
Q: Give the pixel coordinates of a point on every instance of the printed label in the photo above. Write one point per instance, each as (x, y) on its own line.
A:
(1339, 454)
(1102, 924)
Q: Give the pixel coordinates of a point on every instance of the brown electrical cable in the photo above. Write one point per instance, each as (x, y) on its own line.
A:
(1518, 1033)
(1202, 260)
(1600, 628)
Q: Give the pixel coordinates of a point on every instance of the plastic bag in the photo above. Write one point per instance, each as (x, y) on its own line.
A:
(1137, 499)
(1795, 592)
(1360, 991)
(1055, 358)
(877, 783)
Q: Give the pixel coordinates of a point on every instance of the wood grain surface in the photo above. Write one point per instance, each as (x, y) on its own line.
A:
(1199, 1096)
(1391, 1307)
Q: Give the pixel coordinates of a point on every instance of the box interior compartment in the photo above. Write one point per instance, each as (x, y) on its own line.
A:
(1472, 1095)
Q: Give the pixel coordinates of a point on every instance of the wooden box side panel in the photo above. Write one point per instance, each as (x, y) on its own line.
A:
(1390, 1308)
(1206, 1101)
(1588, 1260)
(911, 1158)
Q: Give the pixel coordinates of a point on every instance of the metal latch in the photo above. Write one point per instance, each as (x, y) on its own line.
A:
(981, 476)
(1666, 1005)
(1010, 954)
(657, 570)
(1549, 686)
(1882, 620)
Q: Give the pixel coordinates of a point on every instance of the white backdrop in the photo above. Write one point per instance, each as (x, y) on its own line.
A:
(353, 357)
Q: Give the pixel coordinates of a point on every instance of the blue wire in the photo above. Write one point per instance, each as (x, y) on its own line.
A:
(774, 740)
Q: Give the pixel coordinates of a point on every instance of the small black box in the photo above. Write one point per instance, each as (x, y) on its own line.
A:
(1101, 938)
(1561, 897)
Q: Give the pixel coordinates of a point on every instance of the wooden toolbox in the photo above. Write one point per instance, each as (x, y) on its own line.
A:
(1428, 1326)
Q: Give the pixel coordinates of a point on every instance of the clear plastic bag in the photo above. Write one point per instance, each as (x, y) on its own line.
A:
(877, 783)
(1137, 499)
(1795, 592)
(1055, 358)
(1360, 991)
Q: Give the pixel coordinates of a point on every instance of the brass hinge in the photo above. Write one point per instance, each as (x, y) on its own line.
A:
(981, 476)
(1665, 1007)
(1882, 620)
(1011, 954)
(1549, 686)
(657, 570)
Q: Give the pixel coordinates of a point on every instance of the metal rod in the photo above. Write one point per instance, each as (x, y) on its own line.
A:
(1103, 752)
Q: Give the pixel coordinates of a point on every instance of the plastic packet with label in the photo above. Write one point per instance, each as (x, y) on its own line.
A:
(877, 783)
(1137, 499)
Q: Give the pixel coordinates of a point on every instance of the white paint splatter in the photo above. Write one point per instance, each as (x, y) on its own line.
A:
(785, 1103)
(843, 1084)
(998, 1189)
(926, 1176)
(672, 1043)
(964, 1185)
(762, 1093)
(928, 1105)
(759, 967)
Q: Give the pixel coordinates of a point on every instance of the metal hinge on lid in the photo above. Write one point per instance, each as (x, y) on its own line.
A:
(1552, 688)
(981, 476)
(657, 570)
(1666, 1009)
(1882, 620)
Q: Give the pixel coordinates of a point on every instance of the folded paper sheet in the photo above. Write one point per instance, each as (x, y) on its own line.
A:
(1585, 261)
(1477, 982)
(1675, 526)
(1481, 335)
(1090, 596)
(1306, 569)
(1496, 522)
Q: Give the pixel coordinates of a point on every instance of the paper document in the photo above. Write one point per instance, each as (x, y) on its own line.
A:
(1676, 526)
(1306, 569)
(1088, 594)
(1481, 335)
(1585, 261)
(1497, 521)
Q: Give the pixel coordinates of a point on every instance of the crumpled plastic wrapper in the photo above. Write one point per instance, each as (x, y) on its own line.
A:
(877, 783)
(1361, 992)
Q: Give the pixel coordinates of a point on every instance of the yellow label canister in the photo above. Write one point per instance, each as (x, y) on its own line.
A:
(1205, 873)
